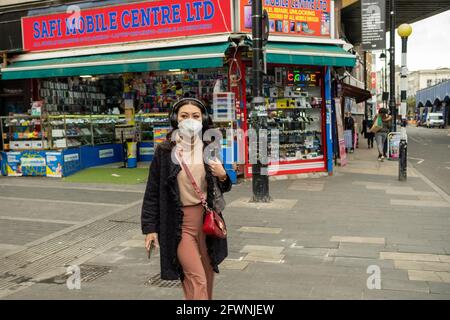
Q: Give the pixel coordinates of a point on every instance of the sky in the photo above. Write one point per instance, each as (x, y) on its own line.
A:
(428, 45)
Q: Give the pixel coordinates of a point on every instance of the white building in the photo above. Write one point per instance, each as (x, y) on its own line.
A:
(417, 80)
(421, 79)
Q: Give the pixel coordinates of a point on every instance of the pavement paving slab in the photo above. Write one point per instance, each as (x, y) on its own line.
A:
(321, 238)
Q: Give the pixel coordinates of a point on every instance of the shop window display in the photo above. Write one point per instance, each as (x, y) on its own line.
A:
(85, 121)
(295, 107)
(24, 132)
(72, 96)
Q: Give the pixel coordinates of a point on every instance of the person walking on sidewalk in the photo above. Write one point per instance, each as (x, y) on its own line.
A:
(349, 127)
(369, 135)
(172, 212)
(383, 130)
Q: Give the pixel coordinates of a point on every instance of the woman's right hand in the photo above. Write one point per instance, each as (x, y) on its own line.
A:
(149, 238)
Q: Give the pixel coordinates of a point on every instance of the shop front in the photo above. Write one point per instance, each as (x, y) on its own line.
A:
(298, 97)
(300, 54)
(96, 92)
(90, 105)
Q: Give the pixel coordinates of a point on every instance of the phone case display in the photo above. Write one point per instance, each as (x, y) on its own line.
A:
(146, 122)
(224, 107)
(70, 131)
(103, 128)
(300, 135)
(156, 92)
(24, 132)
(73, 96)
(294, 107)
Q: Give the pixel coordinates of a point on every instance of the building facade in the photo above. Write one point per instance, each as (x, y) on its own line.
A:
(113, 77)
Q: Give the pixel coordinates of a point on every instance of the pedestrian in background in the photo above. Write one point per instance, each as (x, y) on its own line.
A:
(365, 130)
(382, 125)
(172, 212)
(349, 126)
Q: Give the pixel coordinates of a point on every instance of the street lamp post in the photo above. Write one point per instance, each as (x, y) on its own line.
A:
(392, 103)
(385, 97)
(260, 172)
(404, 31)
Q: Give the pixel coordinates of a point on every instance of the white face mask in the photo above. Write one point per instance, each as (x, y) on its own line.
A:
(190, 127)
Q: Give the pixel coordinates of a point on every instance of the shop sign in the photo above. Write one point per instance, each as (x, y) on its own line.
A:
(302, 78)
(149, 20)
(374, 82)
(373, 24)
(71, 157)
(306, 18)
(107, 153)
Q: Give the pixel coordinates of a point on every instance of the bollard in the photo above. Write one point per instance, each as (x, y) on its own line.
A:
(402, 161)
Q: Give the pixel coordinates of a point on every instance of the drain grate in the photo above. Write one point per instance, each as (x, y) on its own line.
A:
(155, 281)
(90, 273)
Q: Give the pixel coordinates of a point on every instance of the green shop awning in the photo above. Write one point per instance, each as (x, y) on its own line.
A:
(186, 57)
(309, 54)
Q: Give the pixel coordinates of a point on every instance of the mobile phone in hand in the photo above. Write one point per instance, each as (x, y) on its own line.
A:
(152, 246)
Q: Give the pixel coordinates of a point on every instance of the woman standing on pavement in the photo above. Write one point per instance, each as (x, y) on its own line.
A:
(172, 213)
(381, 134)
(365, 130)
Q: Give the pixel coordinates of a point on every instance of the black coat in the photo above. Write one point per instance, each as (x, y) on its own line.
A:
(162, 212)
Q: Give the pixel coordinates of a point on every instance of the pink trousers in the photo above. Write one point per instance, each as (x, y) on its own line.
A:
(193, 256)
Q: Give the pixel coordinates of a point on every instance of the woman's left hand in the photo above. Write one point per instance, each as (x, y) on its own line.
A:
(217, 169)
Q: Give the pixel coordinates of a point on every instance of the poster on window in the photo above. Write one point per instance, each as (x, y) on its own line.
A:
(54, 164)
(340, 132)
(292, 17)
(13, 165)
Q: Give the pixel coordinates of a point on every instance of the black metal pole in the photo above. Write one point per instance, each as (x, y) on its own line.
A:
(403, 148)
(385, 78)
(366, 111)
(260, 181)
(392, 103)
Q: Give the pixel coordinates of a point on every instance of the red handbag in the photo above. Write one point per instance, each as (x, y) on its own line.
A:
(213, 224)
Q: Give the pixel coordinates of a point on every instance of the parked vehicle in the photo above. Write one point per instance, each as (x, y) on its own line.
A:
(435, 120)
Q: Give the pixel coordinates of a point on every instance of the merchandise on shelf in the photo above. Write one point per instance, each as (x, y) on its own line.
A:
(294, 105)
(24, 132)
(72, 96)
(155, 92)
(70, 131)
(147, 122)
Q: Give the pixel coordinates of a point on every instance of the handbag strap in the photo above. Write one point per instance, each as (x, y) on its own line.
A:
(200, 194)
